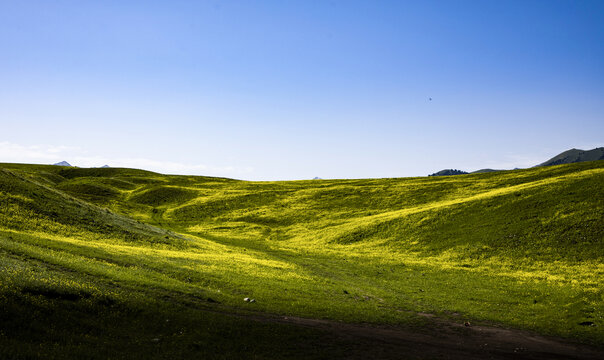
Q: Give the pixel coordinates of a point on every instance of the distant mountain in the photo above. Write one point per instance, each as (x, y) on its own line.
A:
(104, 166)
(575, 155)
(567, 157)
(317, 178)
(446, 172)
(483, 171)
(63, 163)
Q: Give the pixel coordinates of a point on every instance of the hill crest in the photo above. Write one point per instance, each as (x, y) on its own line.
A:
(575, 155)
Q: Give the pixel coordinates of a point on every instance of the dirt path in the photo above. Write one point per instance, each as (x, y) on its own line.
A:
(449, 340)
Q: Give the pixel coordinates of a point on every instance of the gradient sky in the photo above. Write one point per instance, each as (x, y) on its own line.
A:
(267, 90)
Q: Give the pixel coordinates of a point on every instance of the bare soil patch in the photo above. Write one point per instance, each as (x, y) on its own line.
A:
(446, 340)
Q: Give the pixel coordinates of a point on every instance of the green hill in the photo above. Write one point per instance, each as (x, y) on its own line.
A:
(483, 171)
(161, 263)
(575, 155)
(447, 172)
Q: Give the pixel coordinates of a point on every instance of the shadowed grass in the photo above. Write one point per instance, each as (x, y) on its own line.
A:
(522, 249)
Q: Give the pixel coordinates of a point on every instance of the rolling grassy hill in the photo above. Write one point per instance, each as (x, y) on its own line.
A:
(120, 257)
(575, 155)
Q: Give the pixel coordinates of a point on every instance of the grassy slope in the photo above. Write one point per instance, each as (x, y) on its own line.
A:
(519, 248)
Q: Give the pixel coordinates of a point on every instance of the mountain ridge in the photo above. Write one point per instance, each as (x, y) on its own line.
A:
(575, 155)
(566, 157)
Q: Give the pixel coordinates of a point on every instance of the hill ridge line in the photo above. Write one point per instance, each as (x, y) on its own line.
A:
(390, 215)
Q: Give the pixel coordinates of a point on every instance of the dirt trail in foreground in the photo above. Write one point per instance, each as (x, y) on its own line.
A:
(449, 340)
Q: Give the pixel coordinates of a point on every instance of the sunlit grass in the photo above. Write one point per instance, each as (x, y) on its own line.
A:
(519, 248)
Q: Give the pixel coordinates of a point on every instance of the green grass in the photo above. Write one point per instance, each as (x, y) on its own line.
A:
(521, 249)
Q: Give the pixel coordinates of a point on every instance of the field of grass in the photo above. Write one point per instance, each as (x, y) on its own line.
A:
(129, 257)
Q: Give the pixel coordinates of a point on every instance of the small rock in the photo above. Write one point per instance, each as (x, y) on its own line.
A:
(155, 340)
(252, 300)
(587, 323)
(246, 299)
(467, 323)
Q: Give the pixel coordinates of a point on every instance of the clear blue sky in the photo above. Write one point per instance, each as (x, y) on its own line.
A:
(265, 90)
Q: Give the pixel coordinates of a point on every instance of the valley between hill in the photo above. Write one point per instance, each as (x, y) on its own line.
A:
(124, 263)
